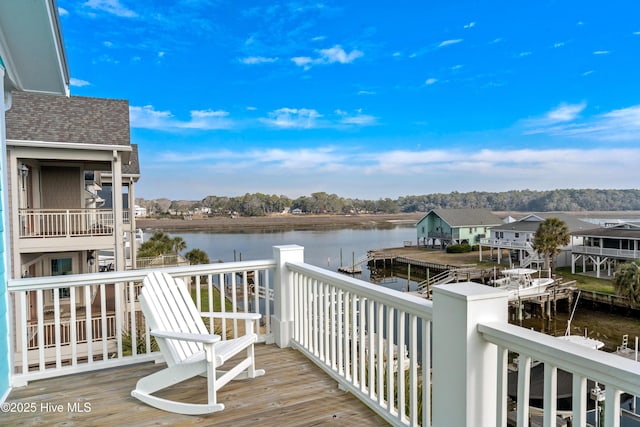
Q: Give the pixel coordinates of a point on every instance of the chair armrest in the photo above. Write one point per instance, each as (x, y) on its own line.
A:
(221, 315)
(182, 336)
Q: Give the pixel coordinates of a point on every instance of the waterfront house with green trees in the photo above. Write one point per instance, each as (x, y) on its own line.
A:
(517, 238)
(444, 227)
(602, 249)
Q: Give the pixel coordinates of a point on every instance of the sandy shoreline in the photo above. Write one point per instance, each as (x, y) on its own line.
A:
(278, 222)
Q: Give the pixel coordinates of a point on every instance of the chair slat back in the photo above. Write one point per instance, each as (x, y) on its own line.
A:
(167, 306)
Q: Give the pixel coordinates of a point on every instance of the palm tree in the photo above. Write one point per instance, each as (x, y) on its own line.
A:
(178, 244)
(626, 281)
(552, 234)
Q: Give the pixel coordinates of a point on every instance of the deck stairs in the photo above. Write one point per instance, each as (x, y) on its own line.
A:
(447, 276)
(532, 257)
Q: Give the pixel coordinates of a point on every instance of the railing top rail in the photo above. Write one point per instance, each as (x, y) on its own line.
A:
(400, 300)
(45, 210)
(54, 282)
(608, 368)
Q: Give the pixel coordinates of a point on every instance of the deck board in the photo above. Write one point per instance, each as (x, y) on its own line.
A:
(294, 392)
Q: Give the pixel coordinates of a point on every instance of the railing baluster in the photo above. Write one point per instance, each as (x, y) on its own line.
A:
(524, 377)
(389, 357)
(502, 381)
(579, 401)
(550, 395)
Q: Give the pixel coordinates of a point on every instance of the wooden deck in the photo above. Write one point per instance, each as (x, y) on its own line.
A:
(294, 392)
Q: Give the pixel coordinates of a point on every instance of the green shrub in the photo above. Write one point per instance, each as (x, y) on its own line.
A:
(458, 249)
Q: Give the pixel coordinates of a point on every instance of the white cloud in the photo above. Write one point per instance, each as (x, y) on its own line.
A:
(252, 60)
(357, 172)
(622, 125)
(357, 119)
(524, 54)
(62, 11)
(78, 83)
(450, 42)
(318, 38)
(111, 6)
(430, 81)
(366, 92)
(293, 118)
(601, 52)
(558, 44)
(107, 43)
(586, 73)
(565, 112)
(302, 61)
(335, 54)
(147, 117)
(636, 33)
(470, 25)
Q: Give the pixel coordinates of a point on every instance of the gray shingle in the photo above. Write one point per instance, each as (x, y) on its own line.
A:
(76, 119)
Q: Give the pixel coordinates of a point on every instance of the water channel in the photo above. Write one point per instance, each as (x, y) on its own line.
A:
(332, 248)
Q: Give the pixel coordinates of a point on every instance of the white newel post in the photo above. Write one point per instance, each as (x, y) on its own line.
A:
(464, 365)
(283, 293)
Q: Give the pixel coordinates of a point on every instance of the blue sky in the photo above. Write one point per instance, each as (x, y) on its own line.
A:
(366, 99)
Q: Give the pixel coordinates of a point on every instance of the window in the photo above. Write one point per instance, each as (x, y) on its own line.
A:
(517, 235)
(62, 267)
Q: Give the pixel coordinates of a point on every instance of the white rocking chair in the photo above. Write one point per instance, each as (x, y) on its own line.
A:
(188, 347)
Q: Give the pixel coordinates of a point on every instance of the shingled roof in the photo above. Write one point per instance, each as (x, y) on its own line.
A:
(133, 167)
(467, 217)
(75, 119)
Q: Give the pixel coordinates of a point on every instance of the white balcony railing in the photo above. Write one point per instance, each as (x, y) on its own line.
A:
(48, 223)
(412, 361)
(596, 250)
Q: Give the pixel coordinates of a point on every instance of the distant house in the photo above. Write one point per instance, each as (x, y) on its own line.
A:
(296, 211)
(443, 227)
(604, 247)
(517, 237)
(140, 210)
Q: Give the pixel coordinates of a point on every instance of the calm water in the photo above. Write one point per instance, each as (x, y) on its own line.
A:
(322, 248)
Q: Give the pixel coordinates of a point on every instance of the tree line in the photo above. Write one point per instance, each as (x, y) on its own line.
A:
(258, 204)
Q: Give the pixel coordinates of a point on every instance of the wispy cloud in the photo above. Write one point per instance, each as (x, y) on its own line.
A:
(62, 11)
(357, 119)
(450, 42)
(111, 6)
(335, 54)
(601, 52)
(253, 60)
(621, 125)
(293, 118)
(147, 117)
(558, 44)
(525, 54)
(469, 25)
(430, 81)
(565, 112)
(78, 83)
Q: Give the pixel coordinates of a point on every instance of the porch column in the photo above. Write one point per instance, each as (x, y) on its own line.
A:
(133, 244)
(465, 366)
(282, 320)
(6, 363)
(116, 193)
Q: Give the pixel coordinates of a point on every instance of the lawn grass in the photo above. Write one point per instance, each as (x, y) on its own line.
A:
(204, 300)
(586, 283)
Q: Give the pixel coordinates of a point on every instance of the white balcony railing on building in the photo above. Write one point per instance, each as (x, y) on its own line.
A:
(47, 223)
(596, 250)
(412, 361)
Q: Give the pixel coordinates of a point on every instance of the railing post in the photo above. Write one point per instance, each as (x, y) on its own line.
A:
(283, 293)
(465, 366)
